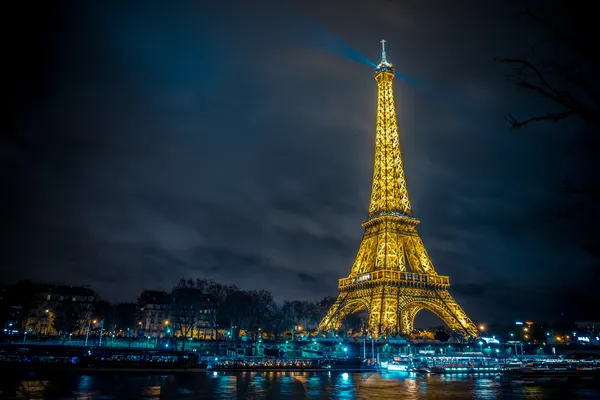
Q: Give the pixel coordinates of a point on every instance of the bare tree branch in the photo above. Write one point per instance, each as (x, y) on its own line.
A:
(522, 64)
(554, 117)
(543, 87)
(571, 37)
(572, 75)
(564, 73)
(572, 106)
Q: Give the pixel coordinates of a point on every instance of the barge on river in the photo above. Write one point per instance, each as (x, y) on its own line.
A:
(443, 365)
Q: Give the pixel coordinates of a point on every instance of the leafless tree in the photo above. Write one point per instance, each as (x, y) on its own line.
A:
(563, 68)
(186, 305)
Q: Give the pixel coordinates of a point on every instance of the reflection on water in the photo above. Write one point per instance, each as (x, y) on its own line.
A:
(32, 389)
(294, 385)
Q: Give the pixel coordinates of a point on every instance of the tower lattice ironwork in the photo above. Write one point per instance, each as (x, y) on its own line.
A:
(392, 276)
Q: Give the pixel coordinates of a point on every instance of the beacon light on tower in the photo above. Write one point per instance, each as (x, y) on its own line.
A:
(384, 65)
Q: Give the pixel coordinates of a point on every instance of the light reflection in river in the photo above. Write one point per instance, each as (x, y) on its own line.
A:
(32, 389)
(294, 385)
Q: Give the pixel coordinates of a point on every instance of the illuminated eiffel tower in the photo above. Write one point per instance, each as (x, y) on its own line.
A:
(392, 276)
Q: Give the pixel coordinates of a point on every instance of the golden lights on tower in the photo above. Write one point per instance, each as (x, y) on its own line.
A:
(392, 276)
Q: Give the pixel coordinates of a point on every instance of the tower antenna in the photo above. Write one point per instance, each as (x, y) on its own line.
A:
(383, 58)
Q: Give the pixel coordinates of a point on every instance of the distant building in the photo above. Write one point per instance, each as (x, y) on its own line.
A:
(54, 309)
(153, 309)
(193, 315)
(591, 326)
(187, 314)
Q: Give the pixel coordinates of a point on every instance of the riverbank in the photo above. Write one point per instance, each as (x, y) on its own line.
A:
(54, 368)
(47, 368)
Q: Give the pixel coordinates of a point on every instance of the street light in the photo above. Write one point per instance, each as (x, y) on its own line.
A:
(167, 330)
(87, 331)
(45, 323)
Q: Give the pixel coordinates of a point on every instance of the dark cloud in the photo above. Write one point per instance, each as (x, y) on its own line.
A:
(235, 142)
(476, 290)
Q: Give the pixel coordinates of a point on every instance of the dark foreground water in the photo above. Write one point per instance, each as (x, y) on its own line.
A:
(293, 385)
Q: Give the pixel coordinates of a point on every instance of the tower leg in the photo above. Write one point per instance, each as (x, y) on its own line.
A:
(383, 312)
(342, 308)
(407, 317)
(442, 304)
(331, 320)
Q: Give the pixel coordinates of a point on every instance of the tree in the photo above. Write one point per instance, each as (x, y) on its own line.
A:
(277, 320)
(104, 311)
(563, 68)
(323, 306)
(302, 309)
(125, 316)
(187, 301)
(356, 322)
(66, 318)
(291, 311)
(235, 311)
(441, 336)
(263, 308)
(216, 294)
(126, 321)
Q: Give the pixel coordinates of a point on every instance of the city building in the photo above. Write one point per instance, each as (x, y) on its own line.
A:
(162, 314)
(153, 309)
(592, 327)
(193, 315)
(56, 309)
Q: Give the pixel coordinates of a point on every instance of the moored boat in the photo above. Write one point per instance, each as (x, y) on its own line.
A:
(554, 368)
(400, 363)
(465, 365)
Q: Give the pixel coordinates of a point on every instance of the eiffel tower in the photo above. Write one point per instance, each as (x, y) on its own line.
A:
(392, 276)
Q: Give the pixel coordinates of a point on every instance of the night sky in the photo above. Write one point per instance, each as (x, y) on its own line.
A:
(235, 142)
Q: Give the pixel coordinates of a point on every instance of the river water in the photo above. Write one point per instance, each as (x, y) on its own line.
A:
(294, 385)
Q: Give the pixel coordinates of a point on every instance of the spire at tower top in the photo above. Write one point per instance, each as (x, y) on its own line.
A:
(384, 65)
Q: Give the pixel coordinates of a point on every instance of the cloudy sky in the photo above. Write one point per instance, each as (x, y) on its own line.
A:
(235, 142)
